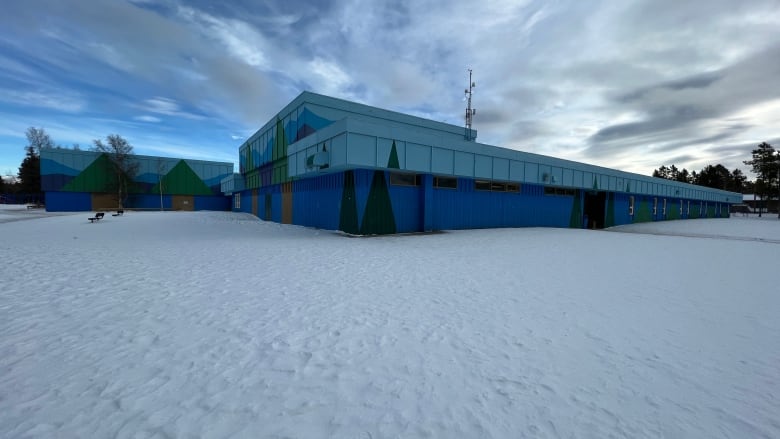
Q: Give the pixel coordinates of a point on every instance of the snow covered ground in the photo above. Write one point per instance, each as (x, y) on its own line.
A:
(216, 325)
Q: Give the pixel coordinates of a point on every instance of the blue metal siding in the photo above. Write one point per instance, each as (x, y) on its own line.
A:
(317, 201)
(213, 203)
(68, 201)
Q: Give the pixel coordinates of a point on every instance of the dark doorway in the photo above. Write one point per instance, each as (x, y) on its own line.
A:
(595, 203)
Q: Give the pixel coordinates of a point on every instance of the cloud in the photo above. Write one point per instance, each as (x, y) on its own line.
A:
(147, 118)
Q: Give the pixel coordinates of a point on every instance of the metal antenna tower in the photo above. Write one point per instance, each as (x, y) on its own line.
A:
(470, 112)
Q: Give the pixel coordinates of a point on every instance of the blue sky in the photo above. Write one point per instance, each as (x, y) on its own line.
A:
(630, 85)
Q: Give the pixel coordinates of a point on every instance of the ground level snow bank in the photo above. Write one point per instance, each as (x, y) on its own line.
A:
(220, 325)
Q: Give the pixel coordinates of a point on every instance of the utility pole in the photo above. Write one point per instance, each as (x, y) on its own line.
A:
(470, 112)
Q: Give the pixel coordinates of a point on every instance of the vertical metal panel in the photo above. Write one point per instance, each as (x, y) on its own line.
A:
(568, 177)
(442, 161)
(531, 173)
(516, 170)
(383, 148)
(361, 150)
(483, 166)
(418, 157)
(463, 164)
(68, 201)
(500, 168)
(338, 150)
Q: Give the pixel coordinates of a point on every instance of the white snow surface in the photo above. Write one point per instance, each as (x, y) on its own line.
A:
(219, 325)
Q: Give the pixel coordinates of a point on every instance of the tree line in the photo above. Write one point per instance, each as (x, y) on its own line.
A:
(28, 180)
(765, 163)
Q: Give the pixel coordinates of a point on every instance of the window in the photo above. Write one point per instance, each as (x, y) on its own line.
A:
(655, 206)
(681, 207)
(445, 182)
(688, 210)
(237, 201)
(495, 186)
(481, 185)
(631, 205)
(548, 190)
(663, 212)
(404, 179)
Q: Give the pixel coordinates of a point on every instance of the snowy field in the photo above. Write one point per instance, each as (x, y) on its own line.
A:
(218, 325)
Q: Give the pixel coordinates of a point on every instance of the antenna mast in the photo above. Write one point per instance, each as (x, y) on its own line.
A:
(470, 112)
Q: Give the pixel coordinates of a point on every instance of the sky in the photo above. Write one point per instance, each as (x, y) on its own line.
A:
(630, 85)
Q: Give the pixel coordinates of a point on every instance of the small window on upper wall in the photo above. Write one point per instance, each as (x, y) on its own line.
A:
(445, 182)
(404, 179)
(481, 185)
(512, 187)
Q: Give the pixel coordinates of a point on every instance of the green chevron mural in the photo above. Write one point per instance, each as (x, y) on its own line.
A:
(280, 174)
(643, 214)
(392, 162)
(95, 178)
(348, 220)
(378, 218)
(575, 221)
(182, 180)
(609, 221)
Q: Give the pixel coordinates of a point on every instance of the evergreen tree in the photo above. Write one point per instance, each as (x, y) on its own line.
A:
(30, 169)
(765, 165)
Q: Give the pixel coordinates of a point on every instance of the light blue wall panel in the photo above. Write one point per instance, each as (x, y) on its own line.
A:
(464, 163)
(418, 157)
(383, 148)
(500, 169)
(442, 161)
(577, 178)
(338, 150)
(557, 175)
(516, 170)
(483, 166)
(568, 177)
(361, 150)
(531, 172)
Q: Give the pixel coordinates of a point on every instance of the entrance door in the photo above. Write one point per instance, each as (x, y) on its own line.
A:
(595, 203)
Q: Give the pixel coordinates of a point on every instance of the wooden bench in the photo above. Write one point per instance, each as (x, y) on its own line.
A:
(98, 216)
(119, 212)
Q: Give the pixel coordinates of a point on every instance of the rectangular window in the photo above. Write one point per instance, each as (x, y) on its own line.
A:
(655, 206)
(497, 187)
(681, 207)
(237, 201)
(559, 191)
(512, 187)
(663, 212)
(481, 185)
(688, 210)
(404, 179)
(445, 182)
(631, 205)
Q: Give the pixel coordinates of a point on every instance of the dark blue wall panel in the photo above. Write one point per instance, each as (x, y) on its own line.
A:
(203, 202)
(68, 201)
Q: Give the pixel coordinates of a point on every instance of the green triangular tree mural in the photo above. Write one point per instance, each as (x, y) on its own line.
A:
(575, 222)
(182, 180)
(609, 221)
(392, 162)
(378, 218)
(94, 178)
(348, 220)
(280, 154)
(595, 184)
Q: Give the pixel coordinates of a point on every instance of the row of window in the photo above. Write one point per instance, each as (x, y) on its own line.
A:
(702, 206)
(560, 191)
(408, 179)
